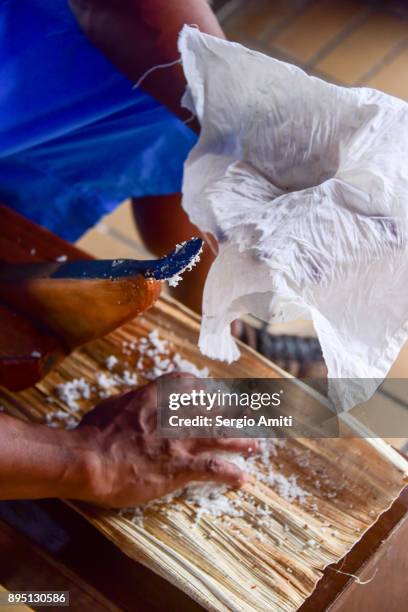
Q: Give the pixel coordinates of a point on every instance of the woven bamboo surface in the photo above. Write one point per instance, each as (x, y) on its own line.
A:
(236, 563)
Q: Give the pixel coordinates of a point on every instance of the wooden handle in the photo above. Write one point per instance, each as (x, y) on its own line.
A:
(27, 352)
(77, 311)
(40, 325)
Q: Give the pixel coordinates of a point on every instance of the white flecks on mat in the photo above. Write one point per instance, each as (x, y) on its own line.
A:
(176, 278)
(154, 358)
(106, 381)
(215, 501)
(111, 361)
(58, 417)
(72, 391)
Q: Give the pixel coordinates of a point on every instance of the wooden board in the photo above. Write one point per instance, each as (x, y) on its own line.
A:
(23, 555)
(237, 562)
(241, 563)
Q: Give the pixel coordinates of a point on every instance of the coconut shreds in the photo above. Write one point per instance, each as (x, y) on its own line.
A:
(174, 280)
(105, 382)
(212, 499)
(287, 487)
(111, 361)
(53, 419)
(72, 391)
(154, 357)
(215, 501)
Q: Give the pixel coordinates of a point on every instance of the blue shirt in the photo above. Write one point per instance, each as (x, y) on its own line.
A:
(75, 137)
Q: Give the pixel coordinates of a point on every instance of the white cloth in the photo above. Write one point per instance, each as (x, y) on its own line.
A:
(305, 186)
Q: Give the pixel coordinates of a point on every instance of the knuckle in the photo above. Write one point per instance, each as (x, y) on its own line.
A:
(182, 462)
(214, 466)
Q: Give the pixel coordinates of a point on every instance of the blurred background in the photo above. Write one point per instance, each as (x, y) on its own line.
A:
(348, 42)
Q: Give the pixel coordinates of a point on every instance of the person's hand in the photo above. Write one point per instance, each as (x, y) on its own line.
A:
(131, 465)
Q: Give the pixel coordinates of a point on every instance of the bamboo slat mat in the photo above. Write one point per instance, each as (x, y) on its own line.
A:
(236, 562)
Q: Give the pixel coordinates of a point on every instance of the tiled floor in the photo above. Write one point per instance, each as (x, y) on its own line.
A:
(350, 42)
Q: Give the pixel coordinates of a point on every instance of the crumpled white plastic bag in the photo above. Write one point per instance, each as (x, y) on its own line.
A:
(305, 186)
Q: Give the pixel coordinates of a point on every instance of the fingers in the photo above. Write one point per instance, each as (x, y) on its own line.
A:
(244, 446)
(215, 469)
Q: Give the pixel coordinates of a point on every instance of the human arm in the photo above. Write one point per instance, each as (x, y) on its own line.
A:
(139, 34)
(113, 458)
(37, 462)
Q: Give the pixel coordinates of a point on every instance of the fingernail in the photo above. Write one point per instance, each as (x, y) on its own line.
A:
(243, 478)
